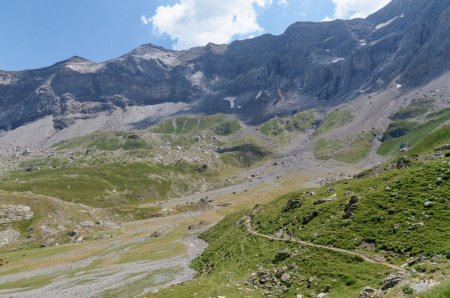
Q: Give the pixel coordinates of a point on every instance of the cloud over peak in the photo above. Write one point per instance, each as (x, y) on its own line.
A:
(192, 23)
(350, 9)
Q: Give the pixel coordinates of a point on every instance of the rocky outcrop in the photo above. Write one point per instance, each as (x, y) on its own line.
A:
(350, 207)
(8, 237)
(393, 279)
(292, 204)
(310, 217)
(369, 292)
(14, 213)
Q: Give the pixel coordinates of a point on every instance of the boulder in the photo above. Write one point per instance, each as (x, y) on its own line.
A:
(8, 237)
(87, 224)
(282, 255)
(102, 236)
(404, 147)
(423, 286)
(310, 217)
(285, 277)
(393, 279)
(443, 147)
(369, 292)
(321, 201)
(204, 201)
(156, 234)
(292, 204)
(350, 207)
(193, 227)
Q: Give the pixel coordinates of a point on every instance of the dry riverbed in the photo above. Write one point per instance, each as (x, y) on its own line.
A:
(134, 259)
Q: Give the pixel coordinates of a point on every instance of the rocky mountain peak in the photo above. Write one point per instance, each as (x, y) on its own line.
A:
(406, 42)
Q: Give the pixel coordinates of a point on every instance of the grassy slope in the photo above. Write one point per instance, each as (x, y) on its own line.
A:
(348, 151)
(219, 123)
(233, 256)
(395, 220)
(429, 143)
(243, 155)
(281, 128)
(415, 133)
(50, 212)
(335, 119)
(106, 140)
(104, 185)
(102, 180)
(417, 108)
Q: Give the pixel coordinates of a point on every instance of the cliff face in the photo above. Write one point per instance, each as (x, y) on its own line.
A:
(407, 41)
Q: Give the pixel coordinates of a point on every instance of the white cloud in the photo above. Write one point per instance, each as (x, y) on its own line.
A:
(192, 23)
(349, 9)
(283, 2)
(145, 20)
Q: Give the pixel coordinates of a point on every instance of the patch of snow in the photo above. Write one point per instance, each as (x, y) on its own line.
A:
(382, 25)
(258, 95)
(399, 86)
(365, 90)
(329, 38)
(336, 60)
(231, 100)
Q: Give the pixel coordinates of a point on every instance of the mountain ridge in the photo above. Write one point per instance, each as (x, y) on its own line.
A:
(310, 62)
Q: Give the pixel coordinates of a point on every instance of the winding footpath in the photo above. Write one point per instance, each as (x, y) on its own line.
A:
(247, 222)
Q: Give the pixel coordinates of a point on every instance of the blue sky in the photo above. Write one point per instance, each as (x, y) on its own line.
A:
(37, 33)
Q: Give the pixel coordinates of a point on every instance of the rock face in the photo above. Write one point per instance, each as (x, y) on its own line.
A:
(310, 217)
(14, 213)
(393, 279)
(407, 40)
(350, 207)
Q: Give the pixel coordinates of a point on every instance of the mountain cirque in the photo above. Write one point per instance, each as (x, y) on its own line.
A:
(406, 43)
(118, 210)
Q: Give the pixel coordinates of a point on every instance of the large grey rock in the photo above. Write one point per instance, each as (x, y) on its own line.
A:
(393, 279)
(14, 213)
(350, 207)
(8, 237)
(369, 292)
